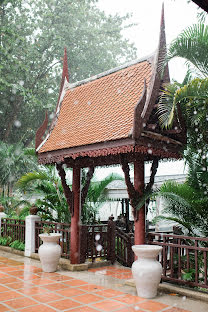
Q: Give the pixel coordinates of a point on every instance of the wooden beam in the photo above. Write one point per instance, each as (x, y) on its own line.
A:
(75, 219)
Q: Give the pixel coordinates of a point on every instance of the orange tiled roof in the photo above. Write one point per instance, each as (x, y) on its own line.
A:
(99, 110)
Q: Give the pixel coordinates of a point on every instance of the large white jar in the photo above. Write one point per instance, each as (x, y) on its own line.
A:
(49, 252)
(146, 270)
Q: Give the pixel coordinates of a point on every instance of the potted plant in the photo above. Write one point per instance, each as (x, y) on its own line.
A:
(146, 270)
(50, 251)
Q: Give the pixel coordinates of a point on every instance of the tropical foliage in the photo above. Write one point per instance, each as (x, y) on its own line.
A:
(96, 197)
(15, 160)
(46, 185)
(192, 97)
(187, 203)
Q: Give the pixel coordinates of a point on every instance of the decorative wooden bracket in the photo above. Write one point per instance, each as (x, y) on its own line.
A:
(86, 185)
(134, 195)
(151, 182)
(67, 191)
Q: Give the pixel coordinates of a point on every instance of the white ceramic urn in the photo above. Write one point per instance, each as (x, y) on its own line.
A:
(49, 252)
(146, 270)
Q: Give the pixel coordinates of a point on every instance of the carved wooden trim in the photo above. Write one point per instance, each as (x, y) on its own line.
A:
(137, 128)
(151, 182)
(154, 167)
(67, 191)
(134, 195)
(41, 131)
(87, 184)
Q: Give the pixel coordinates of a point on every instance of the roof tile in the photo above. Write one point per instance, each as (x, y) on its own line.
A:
(99, 110)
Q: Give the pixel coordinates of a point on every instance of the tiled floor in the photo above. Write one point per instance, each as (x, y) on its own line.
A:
(26, 288)
(120, 273)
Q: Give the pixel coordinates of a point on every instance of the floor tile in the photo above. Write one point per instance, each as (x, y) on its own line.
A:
(88, 298)
(3, 275)
(152, 306)
(70, 292)
(19, 285)
(38, 308)
(47, 274)
(108, 305)
(83, 309)
(64, 304)
(75, 282)
(17, 273)
(2, 288)
(32, 291)
(7, 295)
(60, 278)
(41, 281)
(174, 309)
(91, 287)
(129, 299)
(109, 293)
(8, 280)
(130, 309)
(3, 308)
(46, 297)
(8, 269)
(55, 286)
(20, 302)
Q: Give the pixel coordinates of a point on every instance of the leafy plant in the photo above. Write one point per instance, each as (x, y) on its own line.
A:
(189, 275)
(5, 241)
(46, 229)
(17, 245)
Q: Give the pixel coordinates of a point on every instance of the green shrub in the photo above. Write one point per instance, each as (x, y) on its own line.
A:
(17, 245)
(5, 241)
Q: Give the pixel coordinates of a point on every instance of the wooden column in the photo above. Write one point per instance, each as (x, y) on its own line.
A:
(75, 219)
(139, 220)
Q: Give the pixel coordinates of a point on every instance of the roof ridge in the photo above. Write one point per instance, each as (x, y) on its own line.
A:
(112, 70)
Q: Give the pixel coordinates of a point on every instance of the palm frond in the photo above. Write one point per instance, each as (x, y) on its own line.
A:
(192, 44)
(29, 177)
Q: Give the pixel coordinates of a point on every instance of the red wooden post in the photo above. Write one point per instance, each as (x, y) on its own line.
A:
(111, 232)
(139, 220)
(75, 219)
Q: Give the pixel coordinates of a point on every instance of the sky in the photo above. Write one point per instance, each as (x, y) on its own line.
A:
(146, 14)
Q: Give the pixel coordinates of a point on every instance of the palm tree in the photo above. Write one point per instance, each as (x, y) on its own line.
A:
(186, 206)
(46, 184)
(96, 197)
(191, 97)
(192, 45)
(52, 202)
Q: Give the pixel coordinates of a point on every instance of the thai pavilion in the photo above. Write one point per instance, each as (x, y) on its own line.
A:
(108, 119)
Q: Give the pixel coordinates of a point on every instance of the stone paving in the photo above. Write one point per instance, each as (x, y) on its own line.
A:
(24, 287)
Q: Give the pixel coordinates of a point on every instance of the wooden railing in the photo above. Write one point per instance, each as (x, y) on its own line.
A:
(94, 242)
(62, 228)
(123, 244)
(183, 258)
(13, 228)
